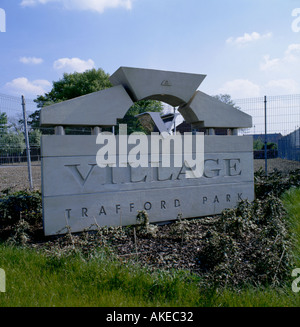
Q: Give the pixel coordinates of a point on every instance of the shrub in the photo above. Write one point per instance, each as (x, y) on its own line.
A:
(180, 229)
(248, 244)
(276, 183)
(21, 205)
(20, 233)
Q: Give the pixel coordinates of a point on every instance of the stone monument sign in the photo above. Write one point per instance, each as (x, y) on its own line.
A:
(80, 193)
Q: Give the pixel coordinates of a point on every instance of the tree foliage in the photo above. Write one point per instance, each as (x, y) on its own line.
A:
(74, 85)
(226, 98)
(130, 119)
(35, 138)
(260, 145)
(3, 123)
(12, 143)
(78, 84)
(69, 87)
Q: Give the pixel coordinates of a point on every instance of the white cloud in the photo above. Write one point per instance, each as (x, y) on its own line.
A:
(31, 60)
(269, 64)
(92, 5)
(287, 64)
(30, 3)
(71, 65)
(23, 86)
(240, 88)
(282, 86)
(248, 38)
(292, 52)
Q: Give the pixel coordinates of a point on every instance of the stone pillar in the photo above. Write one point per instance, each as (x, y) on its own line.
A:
(96, 130)
(59, 130)
(211, 131)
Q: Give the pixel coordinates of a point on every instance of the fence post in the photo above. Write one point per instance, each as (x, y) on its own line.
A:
(27, 143)
(266, 150)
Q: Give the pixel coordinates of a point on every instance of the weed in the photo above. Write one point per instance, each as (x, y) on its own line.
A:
(144, 228)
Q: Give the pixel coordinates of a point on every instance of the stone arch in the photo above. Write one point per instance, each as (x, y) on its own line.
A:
(177, 89)
(173, 88)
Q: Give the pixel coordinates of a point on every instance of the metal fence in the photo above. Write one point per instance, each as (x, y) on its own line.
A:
(276, 123)
(282, 113)
(276, 129)
(13, 125)
(13, 147)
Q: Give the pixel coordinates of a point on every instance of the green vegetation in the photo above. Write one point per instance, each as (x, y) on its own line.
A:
(35, 279)
(78, 84)
(3, 122)
(133, 125)
(248, 245)
(291, 200)
(12, 143)
(226, 98)
(260, 145)
(75, 85)
(249, 253)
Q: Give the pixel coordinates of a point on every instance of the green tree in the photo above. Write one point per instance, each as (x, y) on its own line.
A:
(258, 144)
(12, 144)
(78, 84)
(3, 123)
(35, 138)
(226, 98)
(130, 119)
(74, 85)
(272, 146)
(69, 87)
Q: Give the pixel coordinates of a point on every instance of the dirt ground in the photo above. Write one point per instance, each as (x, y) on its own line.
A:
(16, 177)
(279, 164)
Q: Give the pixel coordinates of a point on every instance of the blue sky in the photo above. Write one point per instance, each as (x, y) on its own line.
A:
(247, 48)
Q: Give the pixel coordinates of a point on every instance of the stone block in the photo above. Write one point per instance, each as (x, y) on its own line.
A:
(208, 112)
(174, 88)
(78, 193)
(101, 108)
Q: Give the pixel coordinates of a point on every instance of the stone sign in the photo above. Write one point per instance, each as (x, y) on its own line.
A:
(79, 193)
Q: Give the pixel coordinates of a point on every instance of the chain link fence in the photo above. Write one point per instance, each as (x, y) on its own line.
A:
(276, 130)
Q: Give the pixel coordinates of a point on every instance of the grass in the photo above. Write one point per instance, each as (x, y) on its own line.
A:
(36, 280)
(291, 201)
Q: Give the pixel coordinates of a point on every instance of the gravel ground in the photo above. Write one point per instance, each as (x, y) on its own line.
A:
(16, 177)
